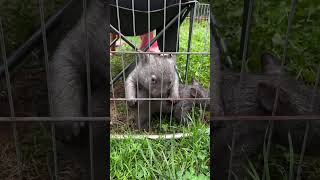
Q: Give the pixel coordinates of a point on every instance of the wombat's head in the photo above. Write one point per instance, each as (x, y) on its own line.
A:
(270, 64)
(157, 73)
(197, 91)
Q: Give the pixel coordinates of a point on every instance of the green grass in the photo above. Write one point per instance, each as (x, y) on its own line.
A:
(269, 26)
(185, 158)
(199, 66)
(283, 164)
(21, 18)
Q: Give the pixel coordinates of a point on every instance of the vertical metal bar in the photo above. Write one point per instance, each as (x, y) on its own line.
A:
(118, 17)
(245, 17)
(149, 65)
(192, 16)
(111, 79)
(205, 45)
(124, 80)
(171, 113)
(177, 48)
(271, 123)
(246, 38)
(112, 90)
(10, 98)
(46, 60)
(303, 148)
(87, 58)
(192, 13)
(209, 13)
(203, 8)
(136, 58)
(200, 69)
(115, 79)
(123, 73)
(243, 61)
(178, 30)
(163, 47)
(199, 12)
(161, 95)
(196, 10)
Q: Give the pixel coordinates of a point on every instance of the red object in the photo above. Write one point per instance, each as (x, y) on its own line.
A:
(145, 42)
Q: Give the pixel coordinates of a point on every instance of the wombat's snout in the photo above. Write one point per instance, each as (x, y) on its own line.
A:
(156, 92)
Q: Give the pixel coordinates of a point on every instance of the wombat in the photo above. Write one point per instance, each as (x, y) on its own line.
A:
(195, 90)
(154, 76)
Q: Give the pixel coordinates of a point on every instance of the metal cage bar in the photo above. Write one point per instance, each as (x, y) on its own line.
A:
(130, 66)
(46, 60)
(10, 98)
(285, 52)
(36, 38)
(243, 65)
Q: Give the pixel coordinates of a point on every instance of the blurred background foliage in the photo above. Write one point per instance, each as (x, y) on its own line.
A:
(21, 18)
(268, 29)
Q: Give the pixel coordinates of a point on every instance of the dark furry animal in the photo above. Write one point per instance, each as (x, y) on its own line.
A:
(195, 90)
(68, 88)
(150, 74)
(256, 97)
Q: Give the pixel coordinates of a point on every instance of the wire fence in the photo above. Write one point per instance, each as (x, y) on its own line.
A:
(169, 29)
(202, 12)
(171, 40)
(64, 113)
(231, 160)
(78, 116)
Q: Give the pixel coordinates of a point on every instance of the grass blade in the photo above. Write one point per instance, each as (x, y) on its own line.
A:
(291, 157)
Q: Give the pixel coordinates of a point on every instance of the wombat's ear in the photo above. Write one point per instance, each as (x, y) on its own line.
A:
(266, 93)
(270, 64)
(143, 58)
(195, 82)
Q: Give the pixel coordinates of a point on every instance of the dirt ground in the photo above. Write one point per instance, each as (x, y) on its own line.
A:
(34, 139)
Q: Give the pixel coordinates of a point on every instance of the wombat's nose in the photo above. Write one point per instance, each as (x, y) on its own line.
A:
(153, 79)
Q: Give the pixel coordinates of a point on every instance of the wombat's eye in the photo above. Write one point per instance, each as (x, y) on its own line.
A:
(153, 79)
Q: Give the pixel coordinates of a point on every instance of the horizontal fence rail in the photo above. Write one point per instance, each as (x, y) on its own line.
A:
(193, 13)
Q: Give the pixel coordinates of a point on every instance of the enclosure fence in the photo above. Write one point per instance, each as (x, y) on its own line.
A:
(244, 44)
(191, 10)
(182, 10)
(12, 61)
